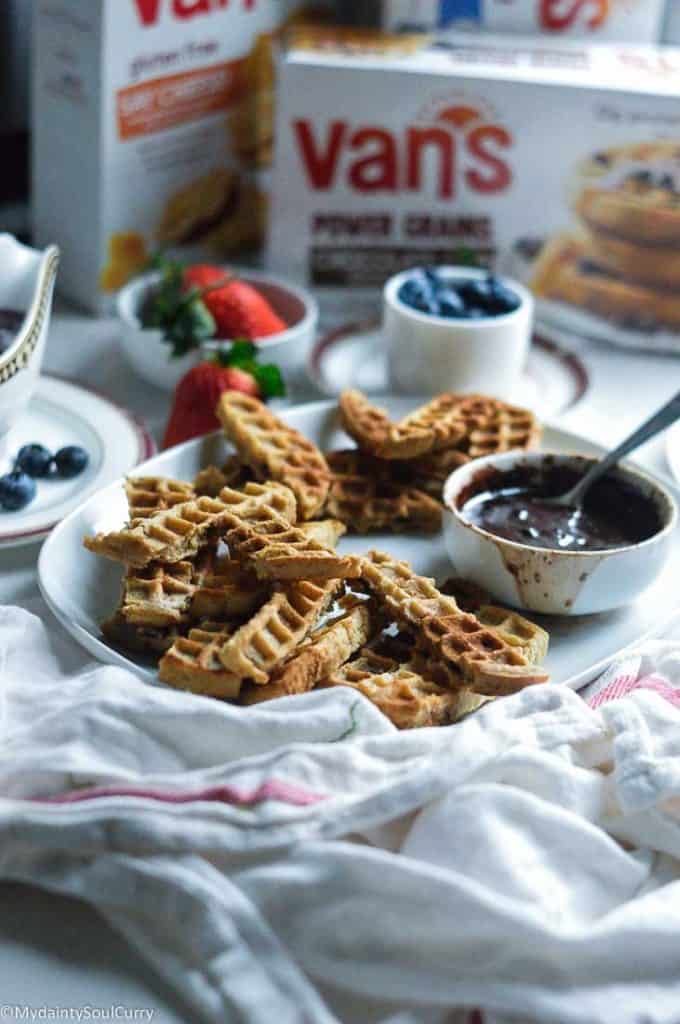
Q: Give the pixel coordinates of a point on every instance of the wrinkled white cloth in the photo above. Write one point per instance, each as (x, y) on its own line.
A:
(305, 862)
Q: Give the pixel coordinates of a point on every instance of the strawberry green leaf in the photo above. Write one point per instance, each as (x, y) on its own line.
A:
(181, 315)
(270, 381)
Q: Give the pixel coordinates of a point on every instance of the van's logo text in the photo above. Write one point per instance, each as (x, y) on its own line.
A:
(558, 15)
(150, 11)
(456, 145)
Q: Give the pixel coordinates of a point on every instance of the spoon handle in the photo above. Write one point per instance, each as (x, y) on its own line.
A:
(665, 416)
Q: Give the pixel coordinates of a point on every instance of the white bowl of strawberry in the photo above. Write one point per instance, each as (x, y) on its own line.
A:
(176, 316)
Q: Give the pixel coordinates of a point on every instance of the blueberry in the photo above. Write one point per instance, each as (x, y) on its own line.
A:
(411, 292)
(503, 299)
(475, 313)
(417, 293)
(34, 459)
(475, 292)
(17, 490)
(71, 461)
(434, 278)
(450, 303)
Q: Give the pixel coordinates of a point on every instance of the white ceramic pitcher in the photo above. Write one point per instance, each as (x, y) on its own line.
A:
(27, 279)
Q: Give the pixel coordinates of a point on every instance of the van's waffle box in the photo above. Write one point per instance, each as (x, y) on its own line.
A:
(151, 121)
(560, 165)
(631, 21)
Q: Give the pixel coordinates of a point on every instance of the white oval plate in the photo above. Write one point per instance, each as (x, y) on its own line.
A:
(353, 356)
(82, 589)
(61, 413)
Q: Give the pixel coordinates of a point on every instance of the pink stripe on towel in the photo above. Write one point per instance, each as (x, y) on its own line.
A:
(623, 685)
(273, 789)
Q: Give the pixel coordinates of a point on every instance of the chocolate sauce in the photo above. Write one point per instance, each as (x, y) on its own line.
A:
(512, 505)
(10, 322)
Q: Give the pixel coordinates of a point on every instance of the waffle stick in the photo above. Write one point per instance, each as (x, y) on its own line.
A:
(157, 595)
(193, 662)
(275, 451)
(475, 424)
(275, 550)
(211, 480)
(176, 534)
(324, 651)
(430, 472)
(374, 431)
(405, 697)
(147, 495)
(228, 592)
(367, 498)
(324, 531)
(260, 646)
(477, 654)
(135, 639)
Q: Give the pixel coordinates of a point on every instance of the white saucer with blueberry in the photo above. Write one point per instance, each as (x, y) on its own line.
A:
(33, 462)
(456, 328)
(67, 443)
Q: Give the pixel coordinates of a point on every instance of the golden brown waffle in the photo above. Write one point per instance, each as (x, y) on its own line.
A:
(213, 479)
(193, 663)
(374, 431)
(145, 640)
(275, 550)
(440, 418)
(227, 593)
(271, 636)
(325, 531)
(324, 651)
(157, 595)
(367, 501)
(147, 495)
(479, 424)
(493, 426)
(179, 533)
(430, 472)
(486, 662)
(275, 451)
(403, 696)
(517, 631)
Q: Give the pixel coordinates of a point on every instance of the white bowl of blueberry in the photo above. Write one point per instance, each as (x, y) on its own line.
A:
(33, 462)
(456, 328)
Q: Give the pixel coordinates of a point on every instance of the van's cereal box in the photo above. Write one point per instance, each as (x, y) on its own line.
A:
(556, 162)
(151, 121)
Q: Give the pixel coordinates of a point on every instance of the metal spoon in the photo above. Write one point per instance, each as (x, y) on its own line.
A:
(662, 419)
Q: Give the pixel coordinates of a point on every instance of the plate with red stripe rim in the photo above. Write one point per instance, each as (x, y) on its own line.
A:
(353, 356)
(62, 412)
(82, 589)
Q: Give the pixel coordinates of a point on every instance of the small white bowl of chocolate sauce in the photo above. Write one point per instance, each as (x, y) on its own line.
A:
(501, 534)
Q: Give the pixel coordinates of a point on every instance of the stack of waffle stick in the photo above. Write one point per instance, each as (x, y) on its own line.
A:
(235, 583)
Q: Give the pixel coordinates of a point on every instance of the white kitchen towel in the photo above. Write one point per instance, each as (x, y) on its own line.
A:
(305, 862)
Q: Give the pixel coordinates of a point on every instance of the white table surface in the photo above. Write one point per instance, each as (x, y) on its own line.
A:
(56, 951)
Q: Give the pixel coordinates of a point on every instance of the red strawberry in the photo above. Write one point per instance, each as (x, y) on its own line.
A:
(203, 275)
(240, 311)
(196, 397)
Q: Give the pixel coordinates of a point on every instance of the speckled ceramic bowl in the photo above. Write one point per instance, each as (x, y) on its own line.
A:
(553, 581)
